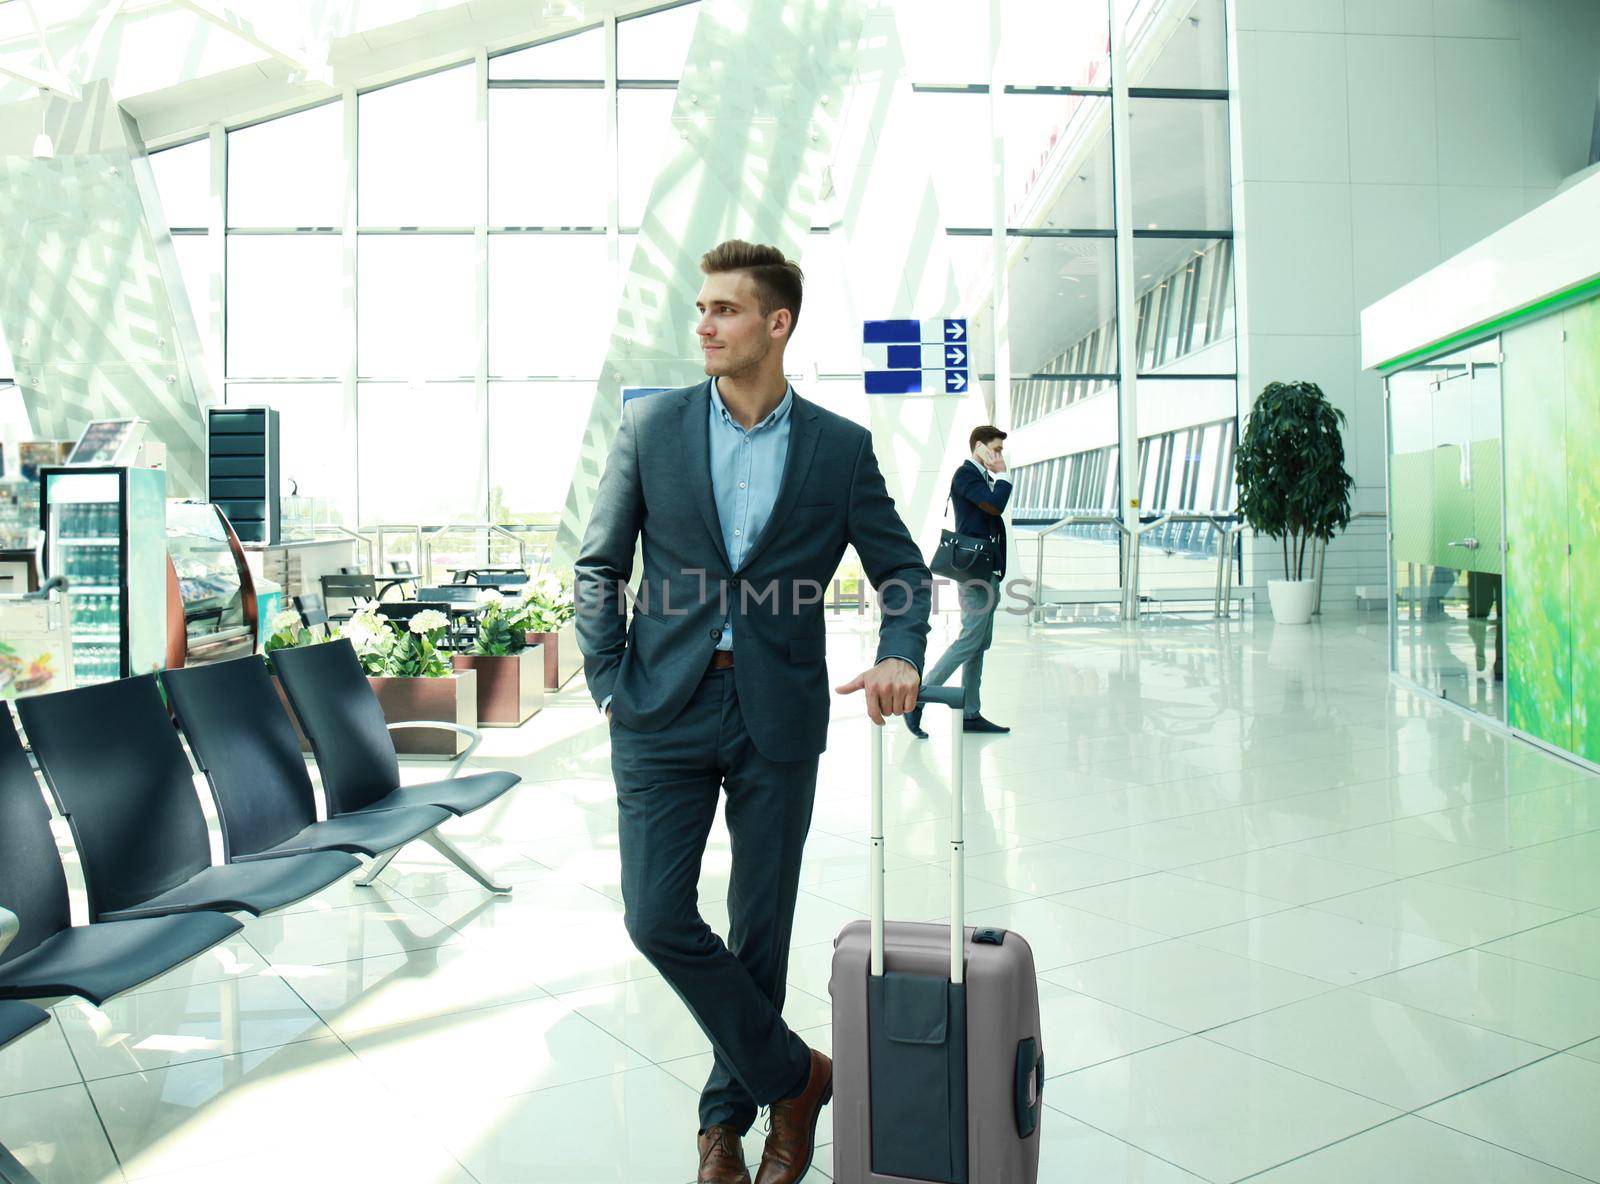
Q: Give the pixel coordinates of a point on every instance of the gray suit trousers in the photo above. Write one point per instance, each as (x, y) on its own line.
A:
(668, 782)
(979, 602)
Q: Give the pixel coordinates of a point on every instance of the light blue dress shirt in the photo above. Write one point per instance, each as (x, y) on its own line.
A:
(746, 470)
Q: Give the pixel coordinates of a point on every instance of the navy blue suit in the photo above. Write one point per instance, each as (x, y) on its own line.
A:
(978, 507)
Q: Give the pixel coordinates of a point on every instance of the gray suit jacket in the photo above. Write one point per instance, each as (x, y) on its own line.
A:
(657, 484)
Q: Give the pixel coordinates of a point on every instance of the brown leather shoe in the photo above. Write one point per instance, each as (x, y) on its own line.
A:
(721, 1157)
(794, 1127)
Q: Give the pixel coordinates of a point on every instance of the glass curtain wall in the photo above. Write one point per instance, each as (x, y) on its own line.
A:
(1066, 363)
(422, 278)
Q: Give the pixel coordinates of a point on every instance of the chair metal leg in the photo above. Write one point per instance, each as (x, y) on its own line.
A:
(463, 861)
(375, 868)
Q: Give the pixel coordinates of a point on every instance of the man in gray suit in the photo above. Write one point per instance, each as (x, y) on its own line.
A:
(745, 496)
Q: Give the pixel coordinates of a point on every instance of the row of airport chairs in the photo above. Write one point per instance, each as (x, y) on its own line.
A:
(116, 769)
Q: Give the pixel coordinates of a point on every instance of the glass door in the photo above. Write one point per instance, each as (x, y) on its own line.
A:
(1445, 513)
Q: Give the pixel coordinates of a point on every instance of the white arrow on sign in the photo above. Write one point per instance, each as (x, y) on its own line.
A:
(955, 356)
(952, 331)
(959, 381)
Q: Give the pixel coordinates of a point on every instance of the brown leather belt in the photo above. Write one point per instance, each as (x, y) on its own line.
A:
(721, 659)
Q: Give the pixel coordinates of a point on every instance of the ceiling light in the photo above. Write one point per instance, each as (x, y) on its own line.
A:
(43, 149)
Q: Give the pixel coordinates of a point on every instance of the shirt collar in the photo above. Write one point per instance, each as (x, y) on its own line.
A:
(775, 416)
(983, 472)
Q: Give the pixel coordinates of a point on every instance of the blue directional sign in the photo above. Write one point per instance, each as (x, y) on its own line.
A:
(894, 382)
(880, 331)
(909, 357)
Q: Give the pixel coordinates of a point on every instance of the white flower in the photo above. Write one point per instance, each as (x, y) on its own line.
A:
(363, 629)
(287, 619)
(428, 620)
(368, 606)
(491, 596)
(548, 586)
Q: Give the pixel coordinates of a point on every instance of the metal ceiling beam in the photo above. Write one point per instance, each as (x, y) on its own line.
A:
(49, 77)
(52, 81)
(297, 57)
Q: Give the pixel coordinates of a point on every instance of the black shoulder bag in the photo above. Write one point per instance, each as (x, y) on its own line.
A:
(963, 557)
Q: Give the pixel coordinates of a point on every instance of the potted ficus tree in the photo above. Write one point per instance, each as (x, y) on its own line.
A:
(1293, 486)
(511, 673)
(549, 617)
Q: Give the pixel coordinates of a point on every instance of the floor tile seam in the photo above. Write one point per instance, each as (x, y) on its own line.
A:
(143, 1070)
(1177, 818)
(1054, 898)
(1473, 945)
(1128, 1143)
(1319, 1150)
(1328, 988)
(1184, 1033)
(1483, 948)
(1545, 1054)
(541, 995)
(94, 1104)
(1511, 1150)
(1363, 985)
(392, 1096)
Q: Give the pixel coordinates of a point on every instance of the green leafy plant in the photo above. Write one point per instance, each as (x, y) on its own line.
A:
(288, 631)
(546, 605)
(500, 629)
(385, 648)
(1292, 481)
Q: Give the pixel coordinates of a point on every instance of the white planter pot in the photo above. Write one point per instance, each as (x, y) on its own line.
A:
(1291, 600)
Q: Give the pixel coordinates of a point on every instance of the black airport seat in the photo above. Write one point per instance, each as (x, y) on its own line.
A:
(49, 958)
(120, 777)
(242, 740)
(340, 715)
(17, 1018)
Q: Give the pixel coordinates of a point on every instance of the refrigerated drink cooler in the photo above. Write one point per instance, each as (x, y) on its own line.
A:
(105, 531)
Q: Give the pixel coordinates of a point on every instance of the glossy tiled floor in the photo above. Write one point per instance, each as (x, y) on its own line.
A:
(1292, 924)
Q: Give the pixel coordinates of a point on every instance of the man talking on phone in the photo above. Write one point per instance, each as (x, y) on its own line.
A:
(978, 493)
(744, 496)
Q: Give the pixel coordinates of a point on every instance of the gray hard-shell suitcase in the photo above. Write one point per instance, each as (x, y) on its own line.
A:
(938, 1068)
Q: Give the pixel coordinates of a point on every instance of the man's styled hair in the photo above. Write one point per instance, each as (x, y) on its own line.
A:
(778, 281)
(984, 434)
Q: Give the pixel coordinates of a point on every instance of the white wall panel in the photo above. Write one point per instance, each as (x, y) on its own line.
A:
(1470, 212)
(1393, 121)
(1296, 129)
(1411, 18)
(1480, 110)
(1394, 231)
(1305, 16)
(1298, 263)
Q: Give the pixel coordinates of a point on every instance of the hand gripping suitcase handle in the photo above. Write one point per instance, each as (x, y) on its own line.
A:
(955, 699)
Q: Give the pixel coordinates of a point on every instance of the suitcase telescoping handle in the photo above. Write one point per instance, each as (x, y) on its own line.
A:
(955, 699)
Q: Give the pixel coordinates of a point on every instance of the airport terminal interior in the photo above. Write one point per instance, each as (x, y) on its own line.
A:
(319, 320)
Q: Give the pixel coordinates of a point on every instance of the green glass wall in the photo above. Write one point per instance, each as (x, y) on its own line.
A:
(1456, 623)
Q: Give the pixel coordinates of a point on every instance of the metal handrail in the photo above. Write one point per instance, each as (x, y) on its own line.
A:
(1225, 524)
(1320, 555)
(1036, 615)
(346, 532)
(423, 534)
(491, 527)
